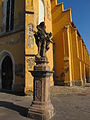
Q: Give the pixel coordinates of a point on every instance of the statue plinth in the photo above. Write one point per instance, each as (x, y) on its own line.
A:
(41, 107)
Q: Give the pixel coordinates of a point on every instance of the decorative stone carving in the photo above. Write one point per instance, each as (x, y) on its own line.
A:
(30, 36)
(30, 62)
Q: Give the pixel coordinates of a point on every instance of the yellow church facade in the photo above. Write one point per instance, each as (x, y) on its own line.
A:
(72, 62)
(67, 56)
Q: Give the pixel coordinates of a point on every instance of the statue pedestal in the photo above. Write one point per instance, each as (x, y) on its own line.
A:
(41, 107)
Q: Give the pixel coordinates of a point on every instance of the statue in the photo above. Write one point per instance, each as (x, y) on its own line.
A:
(42, 39)
(41, 107)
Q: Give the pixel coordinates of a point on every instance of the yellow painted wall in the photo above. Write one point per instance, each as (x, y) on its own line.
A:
(32, 18)
(13, 42)
(60, 18)
(78, 57)
(76, 60)
(71, 63)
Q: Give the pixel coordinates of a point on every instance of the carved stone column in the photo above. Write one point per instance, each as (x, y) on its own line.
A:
(41, 107)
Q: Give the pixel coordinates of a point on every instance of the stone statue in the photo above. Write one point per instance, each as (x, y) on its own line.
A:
(41, 107)
(42, 39)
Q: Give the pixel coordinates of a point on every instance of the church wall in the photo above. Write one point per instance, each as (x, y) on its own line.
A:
(31, 21)
(66, 55)
(76, 60)
(19, 14)
(72, 61)
(13, 42)
(87, 64)
(80, 59)
(0, 15)
(59, 20)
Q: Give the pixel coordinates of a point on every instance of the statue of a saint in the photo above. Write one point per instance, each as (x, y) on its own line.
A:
(42, 39)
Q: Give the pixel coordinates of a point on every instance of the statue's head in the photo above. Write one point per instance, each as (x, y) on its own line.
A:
(41, 26)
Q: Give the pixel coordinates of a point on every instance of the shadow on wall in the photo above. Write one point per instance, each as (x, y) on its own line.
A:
(22, 110)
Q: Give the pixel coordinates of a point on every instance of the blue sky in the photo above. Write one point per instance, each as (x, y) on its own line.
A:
(81, 17)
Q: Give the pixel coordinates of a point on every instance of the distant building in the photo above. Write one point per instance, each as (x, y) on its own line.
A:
(67, 55)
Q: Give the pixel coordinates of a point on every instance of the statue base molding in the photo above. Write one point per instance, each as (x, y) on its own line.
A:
(41, 111)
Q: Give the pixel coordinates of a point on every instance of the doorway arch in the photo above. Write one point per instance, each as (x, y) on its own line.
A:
(7, 70)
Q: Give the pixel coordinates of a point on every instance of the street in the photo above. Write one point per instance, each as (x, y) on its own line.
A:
(69, 103)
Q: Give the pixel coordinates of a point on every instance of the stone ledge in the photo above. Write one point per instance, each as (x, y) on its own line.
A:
(76, 83)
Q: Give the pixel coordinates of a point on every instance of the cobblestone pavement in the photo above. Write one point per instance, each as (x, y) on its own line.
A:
(70, 104)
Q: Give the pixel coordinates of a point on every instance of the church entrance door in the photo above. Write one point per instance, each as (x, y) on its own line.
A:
(7, 73)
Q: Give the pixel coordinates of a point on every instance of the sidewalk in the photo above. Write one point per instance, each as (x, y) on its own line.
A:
(70, 104)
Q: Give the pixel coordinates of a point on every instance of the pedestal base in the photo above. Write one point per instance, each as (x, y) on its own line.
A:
(41, 107)
(41, 111)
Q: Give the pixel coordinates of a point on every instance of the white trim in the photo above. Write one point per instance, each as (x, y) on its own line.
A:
(3, 54)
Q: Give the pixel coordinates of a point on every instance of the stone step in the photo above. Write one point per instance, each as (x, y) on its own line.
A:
(87, 84)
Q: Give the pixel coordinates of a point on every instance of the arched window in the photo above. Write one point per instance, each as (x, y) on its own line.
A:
(41, 11)
(8, 15)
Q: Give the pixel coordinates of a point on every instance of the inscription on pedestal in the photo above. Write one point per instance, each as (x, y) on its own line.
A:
(38, 90)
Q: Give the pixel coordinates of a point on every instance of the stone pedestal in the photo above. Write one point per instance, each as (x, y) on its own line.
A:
(41, 107)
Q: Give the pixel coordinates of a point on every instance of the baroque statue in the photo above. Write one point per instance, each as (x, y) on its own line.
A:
(41, 107)
(42, 39)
